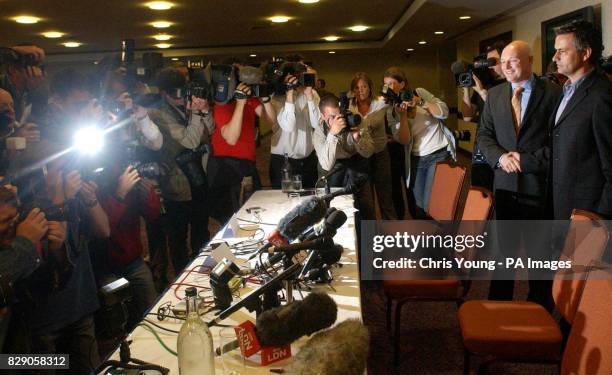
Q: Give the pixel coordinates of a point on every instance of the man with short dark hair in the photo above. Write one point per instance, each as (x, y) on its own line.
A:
(582, 126)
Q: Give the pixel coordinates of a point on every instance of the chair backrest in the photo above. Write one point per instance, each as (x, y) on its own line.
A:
(586, 241)
(589, 347)
(478, 204)
(445, 191)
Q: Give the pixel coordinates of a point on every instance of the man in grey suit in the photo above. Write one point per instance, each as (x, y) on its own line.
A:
(513, 136)
(582, 126)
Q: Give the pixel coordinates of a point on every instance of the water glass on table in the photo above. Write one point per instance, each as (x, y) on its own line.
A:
(233, 360)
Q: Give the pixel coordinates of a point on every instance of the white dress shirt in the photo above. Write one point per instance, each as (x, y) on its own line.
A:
(292, 135)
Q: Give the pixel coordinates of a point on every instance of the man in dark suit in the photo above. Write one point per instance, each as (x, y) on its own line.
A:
(582, 126)
(513, 136)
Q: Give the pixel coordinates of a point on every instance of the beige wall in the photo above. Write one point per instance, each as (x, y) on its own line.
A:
(526, 25)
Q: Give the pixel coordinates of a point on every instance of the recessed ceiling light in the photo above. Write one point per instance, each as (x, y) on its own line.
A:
(279, 19)
(332, 52)
(409, 49)
(438, 32)
(465, 17)
(26, 19)
(162, 37)
(358, 28)
(422, 42)
(308, 1)
(252, 55)
(53, 34)
(159, 5)
(331, 38)
(161, 24)
(72, 44)
(95, 62)
(174, 59)
(163, 45)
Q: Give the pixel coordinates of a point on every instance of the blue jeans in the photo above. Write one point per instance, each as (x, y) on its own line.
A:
(422, 169)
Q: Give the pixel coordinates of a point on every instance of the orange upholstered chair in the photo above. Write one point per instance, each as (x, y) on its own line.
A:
(589, 347)
(478, 207)
(525, 331)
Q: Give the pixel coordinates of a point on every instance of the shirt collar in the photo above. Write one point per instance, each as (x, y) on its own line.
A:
(527, 85)
(574, 85)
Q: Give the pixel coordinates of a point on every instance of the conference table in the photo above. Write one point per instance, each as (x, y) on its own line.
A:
(260, 213)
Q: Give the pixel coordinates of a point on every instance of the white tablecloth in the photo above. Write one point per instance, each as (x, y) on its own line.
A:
(275, 205)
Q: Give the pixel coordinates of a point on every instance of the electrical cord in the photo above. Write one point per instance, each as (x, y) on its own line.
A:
(160, 327)
(150, 329)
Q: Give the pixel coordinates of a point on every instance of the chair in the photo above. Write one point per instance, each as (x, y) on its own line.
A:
(519, 331)
(478, 207)
(589, 348)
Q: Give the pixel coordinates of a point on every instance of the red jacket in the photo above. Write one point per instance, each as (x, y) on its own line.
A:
(124, 245)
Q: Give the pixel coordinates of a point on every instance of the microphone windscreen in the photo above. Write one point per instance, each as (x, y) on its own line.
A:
(302, 216)
(285, 324)
(336, 219)
(459, 67)
(342, 350)
(250, 75)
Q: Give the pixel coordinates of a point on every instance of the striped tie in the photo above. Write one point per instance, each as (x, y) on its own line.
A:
(516, 107)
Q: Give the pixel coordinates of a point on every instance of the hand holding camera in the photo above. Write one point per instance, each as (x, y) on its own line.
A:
(56, 234)
(198, 105)
(88, 193)
(337, 124)
(72, 184)
(242, 92)
(34, 226)
(291, 82)
(128, 179)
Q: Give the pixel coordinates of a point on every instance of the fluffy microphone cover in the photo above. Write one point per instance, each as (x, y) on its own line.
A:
(342, 350)
(285, 324)
(302, 216)
(250, 75)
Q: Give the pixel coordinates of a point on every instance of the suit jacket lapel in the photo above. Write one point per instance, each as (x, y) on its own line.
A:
(507, 108)
(578, 96)
(537, 93)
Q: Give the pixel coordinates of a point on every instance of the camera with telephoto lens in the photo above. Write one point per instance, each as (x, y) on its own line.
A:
(352, 119)
(396, 98)
(195, 90)
(480, 68)
(134, 157)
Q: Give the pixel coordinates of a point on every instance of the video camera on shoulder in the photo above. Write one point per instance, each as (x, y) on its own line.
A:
(396, 98)
(352, 119)
(276, 70)
(480, 68)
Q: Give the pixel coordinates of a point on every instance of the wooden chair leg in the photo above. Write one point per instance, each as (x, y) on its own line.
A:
(396, 336)
(466, 362)
(388, 312)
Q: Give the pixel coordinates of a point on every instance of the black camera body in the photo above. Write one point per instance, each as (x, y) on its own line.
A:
(396, 98)
(196, 90)
(262, 90)
(480, 68)
(133, 157)
(10, 56)
(462, 135)
(352, 119)
(275, 72)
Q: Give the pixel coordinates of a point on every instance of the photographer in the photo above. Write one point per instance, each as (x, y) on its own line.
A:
(398, 135)
(344, 151)
(471, 108)
(430, 142)
(19, 257)
(233, 143)
(125, 200)
(23, 77)
(298, 116)
(182, 122)
(373, 112)
(59, 298)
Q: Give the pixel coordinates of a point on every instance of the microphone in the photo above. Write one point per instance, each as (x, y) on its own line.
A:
(305, 214)
(250, 75)
(340, 350)
(285, 324)
(316, 244)
(318, 228)
(319, 261)
(459, 67)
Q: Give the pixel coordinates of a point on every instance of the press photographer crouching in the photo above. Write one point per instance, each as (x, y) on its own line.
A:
(57, 301)
(233, 144)
(182, 119)
(342, 150)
